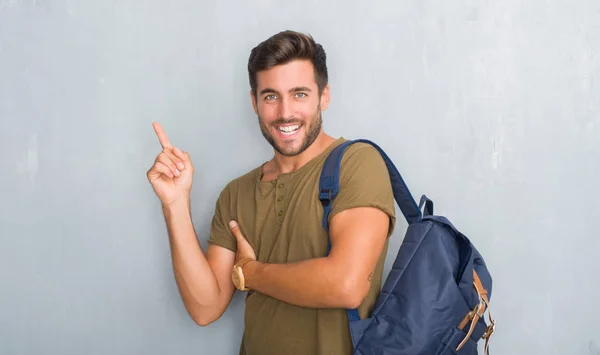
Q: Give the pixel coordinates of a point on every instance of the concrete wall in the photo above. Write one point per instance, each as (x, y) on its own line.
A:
(491, 108)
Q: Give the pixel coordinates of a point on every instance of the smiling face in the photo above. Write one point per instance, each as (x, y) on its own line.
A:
(289, 106)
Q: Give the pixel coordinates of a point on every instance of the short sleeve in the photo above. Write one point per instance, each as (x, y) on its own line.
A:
(364, 182)
(220, 234)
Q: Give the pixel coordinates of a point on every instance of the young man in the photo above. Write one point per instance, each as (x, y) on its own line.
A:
(267, 234)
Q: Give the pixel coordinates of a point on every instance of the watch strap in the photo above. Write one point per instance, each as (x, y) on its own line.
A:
(243, 262)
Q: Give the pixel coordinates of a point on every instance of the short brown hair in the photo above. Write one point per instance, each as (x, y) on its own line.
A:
(284, 47)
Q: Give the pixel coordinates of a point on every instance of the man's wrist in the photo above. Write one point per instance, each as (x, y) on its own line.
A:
(178, 205)
(251, 272)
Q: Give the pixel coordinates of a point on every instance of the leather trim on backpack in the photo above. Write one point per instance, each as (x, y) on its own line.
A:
(477, 313)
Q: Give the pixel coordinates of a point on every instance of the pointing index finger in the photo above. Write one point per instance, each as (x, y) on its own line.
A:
(162, 136)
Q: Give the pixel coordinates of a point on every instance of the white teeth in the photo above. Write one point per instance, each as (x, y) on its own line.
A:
(288, 129)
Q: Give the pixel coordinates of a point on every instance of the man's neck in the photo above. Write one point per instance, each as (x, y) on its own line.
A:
(281, 164)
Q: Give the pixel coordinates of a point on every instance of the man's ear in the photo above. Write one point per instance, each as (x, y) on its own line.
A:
(325, 96)
(253, 98)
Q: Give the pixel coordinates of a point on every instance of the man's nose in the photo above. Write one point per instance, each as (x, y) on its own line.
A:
(285, 108)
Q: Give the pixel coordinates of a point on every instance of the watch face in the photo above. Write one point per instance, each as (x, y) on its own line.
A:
(237, 277)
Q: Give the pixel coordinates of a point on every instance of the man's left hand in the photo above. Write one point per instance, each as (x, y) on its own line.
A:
(244, 249)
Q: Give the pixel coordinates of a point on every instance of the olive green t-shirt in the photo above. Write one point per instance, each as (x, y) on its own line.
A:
(282, 220)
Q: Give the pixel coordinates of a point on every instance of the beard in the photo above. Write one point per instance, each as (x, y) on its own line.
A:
(312, 129)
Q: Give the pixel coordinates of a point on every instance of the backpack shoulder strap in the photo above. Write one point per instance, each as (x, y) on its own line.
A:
(329, 185)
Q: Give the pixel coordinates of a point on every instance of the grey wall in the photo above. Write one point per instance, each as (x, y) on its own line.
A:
(492, 108)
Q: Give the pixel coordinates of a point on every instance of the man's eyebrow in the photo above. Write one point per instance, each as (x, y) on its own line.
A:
(295, 89)
(300, 88)
(268, 91)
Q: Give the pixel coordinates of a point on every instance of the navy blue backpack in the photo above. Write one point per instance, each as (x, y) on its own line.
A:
(434, 298)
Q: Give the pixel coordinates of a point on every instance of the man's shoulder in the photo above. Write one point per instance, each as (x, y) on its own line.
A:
(360, 152)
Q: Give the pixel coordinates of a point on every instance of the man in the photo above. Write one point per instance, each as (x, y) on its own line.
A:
(268, 222)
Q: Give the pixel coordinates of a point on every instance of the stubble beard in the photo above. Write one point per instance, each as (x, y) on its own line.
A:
(312, 132)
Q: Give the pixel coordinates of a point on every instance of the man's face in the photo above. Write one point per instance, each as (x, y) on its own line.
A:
(289, 107)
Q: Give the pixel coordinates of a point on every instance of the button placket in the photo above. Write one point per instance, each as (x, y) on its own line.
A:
(279, 193)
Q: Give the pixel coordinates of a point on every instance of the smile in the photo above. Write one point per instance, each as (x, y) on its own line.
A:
(288, 130)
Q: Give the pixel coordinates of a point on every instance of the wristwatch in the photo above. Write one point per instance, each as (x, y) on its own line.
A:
(237, 275)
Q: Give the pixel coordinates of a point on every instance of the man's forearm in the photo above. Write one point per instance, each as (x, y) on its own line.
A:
(195, 279)
(314, 283)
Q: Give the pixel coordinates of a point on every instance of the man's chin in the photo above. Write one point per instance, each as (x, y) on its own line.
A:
(286, 147)
(287, 150)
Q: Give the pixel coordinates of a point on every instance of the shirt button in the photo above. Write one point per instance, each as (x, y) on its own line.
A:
(280, 212)
(279, 198)
(281, 185)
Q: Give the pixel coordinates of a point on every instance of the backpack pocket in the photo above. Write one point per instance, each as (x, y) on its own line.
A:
(452, 339)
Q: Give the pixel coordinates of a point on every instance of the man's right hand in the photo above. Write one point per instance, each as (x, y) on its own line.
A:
(172, 172)
(204, 281)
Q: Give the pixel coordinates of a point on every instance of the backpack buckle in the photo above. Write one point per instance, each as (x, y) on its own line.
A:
(490, 330)
(325, 196)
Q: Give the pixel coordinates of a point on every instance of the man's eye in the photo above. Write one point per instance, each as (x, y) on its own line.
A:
(300, 95)
(270, 97)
